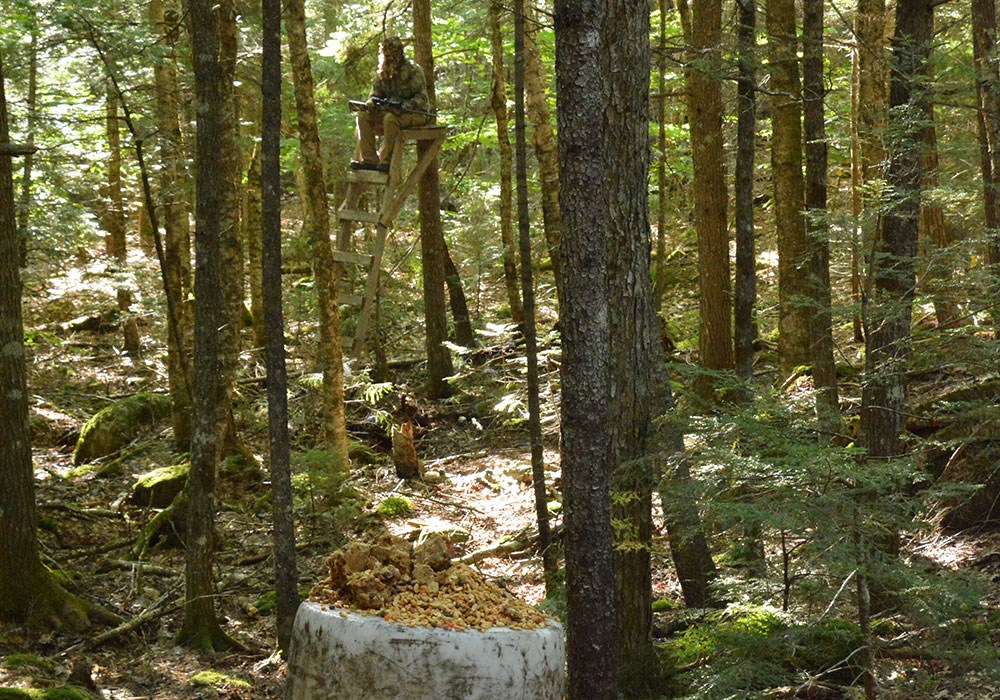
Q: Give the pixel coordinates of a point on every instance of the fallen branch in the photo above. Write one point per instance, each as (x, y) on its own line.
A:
(153, 612)
(523, 540)
(140, 566)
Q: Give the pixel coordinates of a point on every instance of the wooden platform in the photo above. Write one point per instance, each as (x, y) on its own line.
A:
(397, 187)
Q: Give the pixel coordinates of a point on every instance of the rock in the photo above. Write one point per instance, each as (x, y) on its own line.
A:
(158, 488)
(115, 426)
(433, 552)
(356, 557)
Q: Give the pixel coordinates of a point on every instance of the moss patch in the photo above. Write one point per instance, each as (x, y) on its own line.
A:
(158, 488)
(115, 426)
(218, 680)
(66, 692)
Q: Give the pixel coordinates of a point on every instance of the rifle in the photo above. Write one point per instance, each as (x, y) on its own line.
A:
(394, 106)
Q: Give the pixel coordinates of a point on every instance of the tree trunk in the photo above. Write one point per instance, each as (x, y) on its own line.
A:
(745, 292)
(636, 350)
(285, 568)
(114, 242)
(660, 274)
(890, 306)
(824, 369)
(432, 245)
(528, 291)
(789, 198)
(498, 100)
(704, 92)
(543, 137)
(592, 600)
(984, 42)
(317, 225)
(251, 234)
(213, 37)
(868, 131)
(24, 205)
(176, 221)
(460, 316)
(934, 234)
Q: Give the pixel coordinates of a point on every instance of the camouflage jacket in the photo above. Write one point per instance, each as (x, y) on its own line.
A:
(408, 85)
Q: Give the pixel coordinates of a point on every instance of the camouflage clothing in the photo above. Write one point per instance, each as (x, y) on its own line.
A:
(407, 85)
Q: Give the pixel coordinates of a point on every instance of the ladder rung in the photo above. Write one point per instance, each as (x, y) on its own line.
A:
(345, 256)
(372, 176)
(370, 217)
(355, 299)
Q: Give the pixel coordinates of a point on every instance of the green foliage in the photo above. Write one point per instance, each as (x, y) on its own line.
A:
(27, 660)
(63, 693)
(218, 680)
(325, 487)
(395, 507)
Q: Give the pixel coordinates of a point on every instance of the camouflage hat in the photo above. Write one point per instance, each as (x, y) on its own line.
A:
(392, 45)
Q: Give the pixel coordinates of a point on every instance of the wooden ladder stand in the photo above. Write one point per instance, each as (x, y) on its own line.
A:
(397, 189)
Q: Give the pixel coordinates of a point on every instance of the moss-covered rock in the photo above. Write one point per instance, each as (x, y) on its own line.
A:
(218, 680)
(66, 692)
(115, 426)
(158, 488)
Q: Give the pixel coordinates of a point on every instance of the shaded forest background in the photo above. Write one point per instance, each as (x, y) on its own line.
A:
(827, 317)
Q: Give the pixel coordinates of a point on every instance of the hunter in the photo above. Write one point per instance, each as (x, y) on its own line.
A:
(398, 100)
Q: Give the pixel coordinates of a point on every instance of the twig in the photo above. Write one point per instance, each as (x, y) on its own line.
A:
(141, 566)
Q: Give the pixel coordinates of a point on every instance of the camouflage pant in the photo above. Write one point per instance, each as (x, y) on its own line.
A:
(385, 124)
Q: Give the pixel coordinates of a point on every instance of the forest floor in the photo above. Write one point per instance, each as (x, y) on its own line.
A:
(88, 524)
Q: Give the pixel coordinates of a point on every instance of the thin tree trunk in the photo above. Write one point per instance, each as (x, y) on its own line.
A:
(824, 369)
(251, 227)
(704, 91)
(460, 316)
(498, 100)
(24, 202)
(115, 213)
(528, 292)
(285, 568)
(176, 223)
(432, 245)
(592, 600)
(660, 274)
(745, 292)
(543, 137)
(317, 225)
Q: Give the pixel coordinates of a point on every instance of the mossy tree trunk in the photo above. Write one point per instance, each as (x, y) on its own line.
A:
(213, 35)
(28, 592)
(745, 285)
(317, 226)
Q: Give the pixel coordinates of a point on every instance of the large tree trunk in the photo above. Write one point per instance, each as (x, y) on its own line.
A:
(640, 390)
(251, 234)
(704, 92)
(317, 226)
(984, 42)
(592, 600)
(213, 36)
(176, 221)
(432, 245)
(498, 100)
(544, 140)
(789, 197)
(745, 292)
(824, 370)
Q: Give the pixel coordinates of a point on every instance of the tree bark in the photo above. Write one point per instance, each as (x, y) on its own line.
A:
(24, 204)
(432, 245)
(498, 100)
(824, 369)
(317, 226)
(285, 567)
(528, 292)
(984, 42)
(176, 220)
(892, 269)
(544, 140)
(704, 90)
(114, 242)
(592, 600)
(789, 198)
(213, 36)
(251, 233)
(745, 292)
(869, 105)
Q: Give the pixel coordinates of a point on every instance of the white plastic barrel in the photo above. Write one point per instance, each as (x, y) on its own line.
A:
(338, 654)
